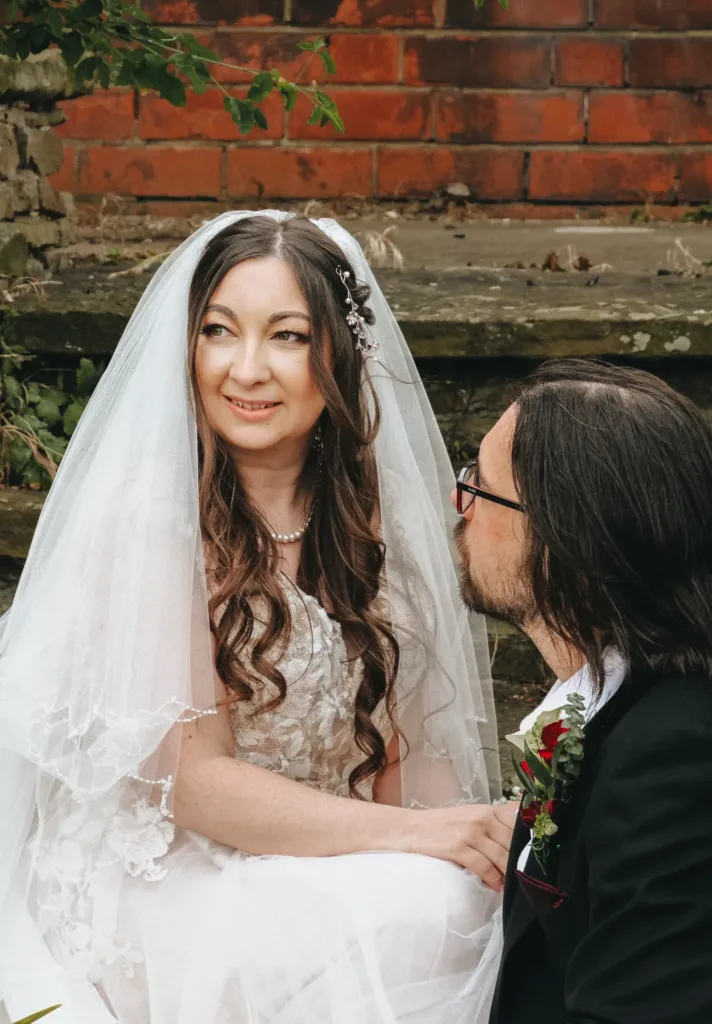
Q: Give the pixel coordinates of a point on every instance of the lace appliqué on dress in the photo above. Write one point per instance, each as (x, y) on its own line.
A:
(309, 737)
(120, 833)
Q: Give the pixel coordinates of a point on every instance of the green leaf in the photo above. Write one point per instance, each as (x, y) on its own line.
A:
(35, 476)
(260, 119)
(48, 411)
(12, 387)
(56, 445)
(242, 113)
(40, 38)
(289, 94)
(191, 45)
(20, 455)
(262, 86)
(333, 117)
(72, 415)
(12, 10)
(86, 69)
(328, 62)
(29, 422)
(319, 44)
(173, 90)
(87, 376)
(91, 9)
(525, 781)
(197, 82)
(307, 44)
(72, 48)
(54, 23)
(315, 116)
(324, 100)
(540, 772)
(104, 74)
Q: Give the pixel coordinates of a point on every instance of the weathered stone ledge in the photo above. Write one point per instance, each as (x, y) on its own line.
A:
(460, 313)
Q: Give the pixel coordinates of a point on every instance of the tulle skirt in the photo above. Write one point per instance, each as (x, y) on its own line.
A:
(372, 938)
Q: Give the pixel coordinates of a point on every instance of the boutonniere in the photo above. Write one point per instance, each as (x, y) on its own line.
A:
(553, 752)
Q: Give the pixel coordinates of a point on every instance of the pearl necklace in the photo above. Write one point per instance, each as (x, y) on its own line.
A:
(292, 538)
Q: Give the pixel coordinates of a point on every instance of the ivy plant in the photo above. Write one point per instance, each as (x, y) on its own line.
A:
(114, 43)
(37, 419)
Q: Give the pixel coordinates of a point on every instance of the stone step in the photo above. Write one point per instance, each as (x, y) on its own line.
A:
(465, 312)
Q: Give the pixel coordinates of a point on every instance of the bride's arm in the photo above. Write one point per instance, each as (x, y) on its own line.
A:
(258, 811)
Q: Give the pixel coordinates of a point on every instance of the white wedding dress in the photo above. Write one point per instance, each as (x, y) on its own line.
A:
(105, 906)
(228, 938)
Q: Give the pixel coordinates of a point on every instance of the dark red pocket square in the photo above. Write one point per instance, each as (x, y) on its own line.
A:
(542, 896)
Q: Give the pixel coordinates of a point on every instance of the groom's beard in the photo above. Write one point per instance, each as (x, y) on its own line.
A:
(500, 601)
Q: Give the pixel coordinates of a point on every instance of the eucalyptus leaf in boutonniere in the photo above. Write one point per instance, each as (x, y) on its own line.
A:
(552, 754)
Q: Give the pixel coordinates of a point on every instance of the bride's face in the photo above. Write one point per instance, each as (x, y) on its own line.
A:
(252, 358)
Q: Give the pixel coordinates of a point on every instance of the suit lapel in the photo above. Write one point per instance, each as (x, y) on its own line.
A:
(518, 911)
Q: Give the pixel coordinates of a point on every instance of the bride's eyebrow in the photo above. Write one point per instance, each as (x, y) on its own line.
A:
(222, 310)
(287, 314)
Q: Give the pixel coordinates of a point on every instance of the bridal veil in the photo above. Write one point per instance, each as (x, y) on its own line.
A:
(106, 649)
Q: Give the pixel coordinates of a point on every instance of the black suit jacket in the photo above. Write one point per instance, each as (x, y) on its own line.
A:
(618, 929)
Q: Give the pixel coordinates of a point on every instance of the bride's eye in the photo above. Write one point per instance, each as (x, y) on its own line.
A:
(214, 331)
(297, 337)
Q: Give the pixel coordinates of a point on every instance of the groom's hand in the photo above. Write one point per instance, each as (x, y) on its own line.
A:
(475, 837)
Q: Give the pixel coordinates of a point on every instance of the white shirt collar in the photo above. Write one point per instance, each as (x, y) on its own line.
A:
(581, 682)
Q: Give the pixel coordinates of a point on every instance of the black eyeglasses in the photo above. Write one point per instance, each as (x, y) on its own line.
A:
(468, 489)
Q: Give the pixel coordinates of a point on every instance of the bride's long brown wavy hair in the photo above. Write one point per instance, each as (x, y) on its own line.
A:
(342, 555)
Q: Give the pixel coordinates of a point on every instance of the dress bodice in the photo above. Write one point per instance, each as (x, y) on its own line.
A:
(309, 737)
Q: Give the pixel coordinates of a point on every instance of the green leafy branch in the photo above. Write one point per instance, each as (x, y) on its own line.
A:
(114, 43)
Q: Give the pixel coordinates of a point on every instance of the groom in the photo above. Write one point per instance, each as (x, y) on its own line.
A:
(588, 523)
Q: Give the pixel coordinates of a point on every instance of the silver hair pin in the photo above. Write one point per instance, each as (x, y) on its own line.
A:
(366, 345)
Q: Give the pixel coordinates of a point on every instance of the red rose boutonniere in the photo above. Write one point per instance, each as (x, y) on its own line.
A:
(553, 751)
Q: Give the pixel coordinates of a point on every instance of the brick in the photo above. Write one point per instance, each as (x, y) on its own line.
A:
(588, 62)
(398, 115)
(675, 15)
(696, 177)
(364, 13)
(511, 117)
(508, 62)
(204, 117)
(670, 63)
(65, 179)
(664, 117)
(361, 59)
(365, 59)
(490, 174)
(299, 173)
(205, 12)
(258, 51)
(149, 171)
(555, 14)
(106, 114)
(596, 176)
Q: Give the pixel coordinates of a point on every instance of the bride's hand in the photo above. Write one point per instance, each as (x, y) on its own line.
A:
(476, 837)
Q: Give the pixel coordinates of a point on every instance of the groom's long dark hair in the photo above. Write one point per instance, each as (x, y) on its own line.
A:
(614, 469)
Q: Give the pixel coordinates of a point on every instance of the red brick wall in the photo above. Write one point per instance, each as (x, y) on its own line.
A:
(549, 102)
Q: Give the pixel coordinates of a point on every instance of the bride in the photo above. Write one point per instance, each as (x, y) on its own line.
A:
(243, 738)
